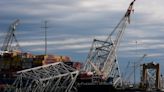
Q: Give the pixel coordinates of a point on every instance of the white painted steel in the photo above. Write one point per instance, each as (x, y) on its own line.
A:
(57, 77)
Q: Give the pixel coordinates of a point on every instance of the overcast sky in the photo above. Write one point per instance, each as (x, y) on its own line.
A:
(73, 24)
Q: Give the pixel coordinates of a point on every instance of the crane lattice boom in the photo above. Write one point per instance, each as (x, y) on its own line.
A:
(102, 57)
(10, 37)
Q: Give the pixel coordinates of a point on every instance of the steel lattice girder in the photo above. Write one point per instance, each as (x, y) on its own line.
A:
(99, 55)
(102, 57)
(57, 77)
(151, 75)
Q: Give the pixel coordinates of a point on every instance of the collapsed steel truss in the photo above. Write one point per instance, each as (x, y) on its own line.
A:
(57, 77)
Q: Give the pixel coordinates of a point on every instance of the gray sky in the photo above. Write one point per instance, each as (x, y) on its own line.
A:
(73, 24)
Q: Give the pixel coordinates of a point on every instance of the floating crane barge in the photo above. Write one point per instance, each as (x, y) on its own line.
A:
(102, 65)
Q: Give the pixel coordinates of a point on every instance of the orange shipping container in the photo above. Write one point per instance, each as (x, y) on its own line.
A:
(54, 58)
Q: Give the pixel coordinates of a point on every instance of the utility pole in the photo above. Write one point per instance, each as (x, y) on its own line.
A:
(135, 66)
(134, 74)
(45, 28)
